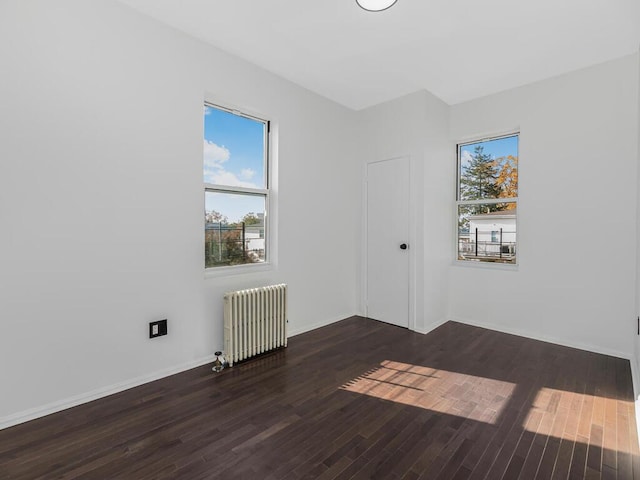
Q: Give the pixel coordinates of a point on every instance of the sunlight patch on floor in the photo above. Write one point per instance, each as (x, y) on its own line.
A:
(452, 393)
(578, 417)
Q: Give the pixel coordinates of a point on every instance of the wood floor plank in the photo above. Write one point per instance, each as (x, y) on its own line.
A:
(562, 466)
(358, 399)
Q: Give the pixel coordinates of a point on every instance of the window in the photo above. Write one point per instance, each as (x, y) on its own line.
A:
(487, 200)
(236, 187)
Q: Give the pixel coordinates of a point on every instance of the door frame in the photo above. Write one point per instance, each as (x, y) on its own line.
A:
(413, 244)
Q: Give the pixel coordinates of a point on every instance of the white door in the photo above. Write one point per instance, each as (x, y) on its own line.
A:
(388, 241)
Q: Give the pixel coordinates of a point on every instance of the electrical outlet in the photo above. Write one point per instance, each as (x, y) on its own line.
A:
(158, 328)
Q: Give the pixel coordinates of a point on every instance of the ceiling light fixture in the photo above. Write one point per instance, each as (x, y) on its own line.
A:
(375, 5)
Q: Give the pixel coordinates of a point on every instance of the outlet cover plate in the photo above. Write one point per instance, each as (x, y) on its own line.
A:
(158, 328)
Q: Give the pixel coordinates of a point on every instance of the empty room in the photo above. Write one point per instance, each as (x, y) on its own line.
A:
(343, 239)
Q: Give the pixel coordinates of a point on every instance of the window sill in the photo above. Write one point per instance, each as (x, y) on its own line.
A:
(486, 265)
(216, 272)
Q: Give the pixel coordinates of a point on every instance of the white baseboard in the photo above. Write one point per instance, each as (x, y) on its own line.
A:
(307, 328)
(545, 338)
(558, 341)
(636, 392)
(431, 327)
(636, 384)
(58, 406)
(64, 404)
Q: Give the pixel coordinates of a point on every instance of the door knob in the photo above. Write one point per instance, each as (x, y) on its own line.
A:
(403, 246)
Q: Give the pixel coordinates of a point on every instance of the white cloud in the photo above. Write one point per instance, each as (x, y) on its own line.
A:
(247, 173)
(215, 156)
(221, 177)
(207, 110)
(466, 157)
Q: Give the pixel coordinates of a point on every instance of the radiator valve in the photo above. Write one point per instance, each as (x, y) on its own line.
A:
(219, 363)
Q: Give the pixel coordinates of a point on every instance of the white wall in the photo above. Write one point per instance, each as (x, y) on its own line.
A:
(101, 202)
(416, 126)
(578, 164)
(637, 303)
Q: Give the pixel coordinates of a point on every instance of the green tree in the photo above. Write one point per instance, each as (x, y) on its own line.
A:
(507, 178)
(233, 247)
(251, 219)
(478, 180)
(485, 178)
(213, 216)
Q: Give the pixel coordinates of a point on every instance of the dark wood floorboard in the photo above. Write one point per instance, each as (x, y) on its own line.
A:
(358, 399)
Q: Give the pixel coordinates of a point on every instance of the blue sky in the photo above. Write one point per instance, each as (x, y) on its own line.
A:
(500, 147)
(233, 156)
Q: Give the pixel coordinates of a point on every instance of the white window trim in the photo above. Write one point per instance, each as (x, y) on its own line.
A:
(480, 264)
(267, 192)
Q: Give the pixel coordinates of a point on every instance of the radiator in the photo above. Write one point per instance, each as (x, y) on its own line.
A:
(255, 321)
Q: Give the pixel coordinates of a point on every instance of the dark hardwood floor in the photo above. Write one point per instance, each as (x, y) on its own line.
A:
(357, 399)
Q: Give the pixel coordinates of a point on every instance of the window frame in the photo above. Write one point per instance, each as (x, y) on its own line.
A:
(459, 202)
(265, 193)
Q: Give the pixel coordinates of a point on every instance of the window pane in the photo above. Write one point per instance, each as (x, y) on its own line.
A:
(488, 169)
(234, 229)
(234, 149)
(487, 232)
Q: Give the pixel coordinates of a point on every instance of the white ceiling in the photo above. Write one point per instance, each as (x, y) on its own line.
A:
(456, 49)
